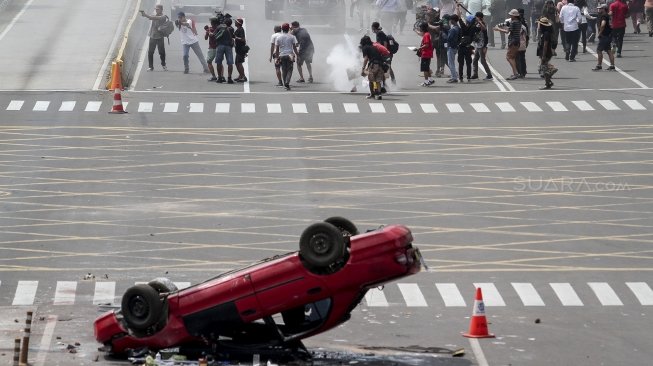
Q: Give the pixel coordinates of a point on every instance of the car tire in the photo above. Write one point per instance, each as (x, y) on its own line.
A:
(321, 245)
(346, 227)
(141, 307)
(163, 285)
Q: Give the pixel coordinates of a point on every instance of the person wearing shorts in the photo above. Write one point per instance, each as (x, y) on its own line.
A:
(224, 50)
(274, 56)
(514, 31)
(210, 54)
(605, 38)
(425, 54)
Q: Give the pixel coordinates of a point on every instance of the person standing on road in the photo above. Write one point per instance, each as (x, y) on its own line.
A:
(605, 38)
(286, 48)
(453, 40)
(514, 40)
(225, 40)
(618, 12)
(383, 39)
(275, 56)
(480, 47)
(551, 13)
(648, 10)
(570, 17)
(189, 40)
(636, 8)
(373, 65)
(241, 51)
(306, 51)
(545, 50)
(210, 54)
(156, 37)
(425, 53)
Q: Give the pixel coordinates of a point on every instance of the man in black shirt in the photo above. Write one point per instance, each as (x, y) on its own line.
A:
(373, 63)
(306, 51)
(605, 38)
(383, 39)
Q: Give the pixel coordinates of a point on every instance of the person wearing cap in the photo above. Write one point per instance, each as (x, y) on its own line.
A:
(189, 40)
(570, 17)
(618, 11)
(514, 40)
(156, 37)
(545, 50)
(480, 48)
(286, 48)
(241, 52)
(306, 51)
(605, 38)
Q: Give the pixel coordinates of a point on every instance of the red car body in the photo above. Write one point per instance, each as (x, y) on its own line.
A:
(225, 306)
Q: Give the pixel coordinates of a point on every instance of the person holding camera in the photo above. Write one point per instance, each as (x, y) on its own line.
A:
(225, 39)
(480, 42)
(156, 37)
(189, 40)
(213, 44)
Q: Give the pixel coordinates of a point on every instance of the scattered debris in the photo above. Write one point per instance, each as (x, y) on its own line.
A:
(537, 321)
(151, 234)
(89, 276)
(460, 352)
(96, 358)
(106, 276)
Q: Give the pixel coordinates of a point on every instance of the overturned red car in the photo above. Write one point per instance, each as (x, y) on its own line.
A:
(277, 300)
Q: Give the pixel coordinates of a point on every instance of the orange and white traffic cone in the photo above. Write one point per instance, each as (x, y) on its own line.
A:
(117, 102)
(478, 323)
(116, 76)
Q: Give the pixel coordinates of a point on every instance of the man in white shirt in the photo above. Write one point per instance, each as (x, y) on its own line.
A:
(287, 50)
(273, 55)
(570, 17)
(189, 40)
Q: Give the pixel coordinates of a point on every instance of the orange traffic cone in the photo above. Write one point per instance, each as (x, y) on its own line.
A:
(117, 102)
(478, 323)
(116, 76)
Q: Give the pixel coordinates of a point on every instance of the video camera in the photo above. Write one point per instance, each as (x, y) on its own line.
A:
(221, 17)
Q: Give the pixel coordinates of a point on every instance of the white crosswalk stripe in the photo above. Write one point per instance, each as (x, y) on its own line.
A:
(455, 108)
(491, 295)
(582, 105)
(450, 294)
(105, 293)
(222, 107)
(608, 105)
(377, 108)
(428, 108)
(528, 294)
(403, 108)
(65, 293)
(247, 107)
(196, 107)
(351, 107)
(325, 107)
(274, 108)
(15, 105)
(634, 105)
(480, 107)
(25, 293)
(299, 108)
(531, 107)
(376, 297)
(67, 106)
(93, 106)
(412, 294)
(557, 106)
(605, 294)
(41, 106)
(505, 107)
(642, 291)
(566, 294)
(170, 107)
(144, 107)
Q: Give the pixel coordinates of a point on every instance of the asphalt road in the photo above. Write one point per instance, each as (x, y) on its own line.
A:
(541, 198)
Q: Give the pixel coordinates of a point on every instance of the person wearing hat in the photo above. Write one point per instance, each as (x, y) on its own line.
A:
(240, 43)
(571, 17)
(189, 40)
(545, 50)
(605, 38)
(514, 39)
(286, 48)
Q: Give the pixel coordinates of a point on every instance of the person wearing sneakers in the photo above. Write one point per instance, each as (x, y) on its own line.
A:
(240, 43)
(286, 48)
(189, 40)
(425, 52)
(513, 29)
(372, 67)
(453, 40)
(618, 11)
(156, 37)
(274, 56)
(480, 47)
(605, 38)
(210, 54)
(545, 50)
(224, 50)
(306, 51)
(570, 18)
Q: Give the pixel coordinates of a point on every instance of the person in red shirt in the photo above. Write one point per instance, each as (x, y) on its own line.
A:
(618, 12)
(425, 53)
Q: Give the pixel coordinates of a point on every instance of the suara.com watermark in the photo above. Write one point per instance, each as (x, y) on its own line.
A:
(566, 185)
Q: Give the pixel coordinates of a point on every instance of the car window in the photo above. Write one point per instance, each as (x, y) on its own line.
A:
(304, 318)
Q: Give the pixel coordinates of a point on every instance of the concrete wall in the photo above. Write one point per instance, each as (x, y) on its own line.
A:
(135, 40)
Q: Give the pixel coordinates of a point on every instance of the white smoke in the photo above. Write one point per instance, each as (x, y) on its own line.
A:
(345, 62)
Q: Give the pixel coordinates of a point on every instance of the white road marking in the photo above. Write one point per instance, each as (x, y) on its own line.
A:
(274, 108)
(67, 106)
(15, 19)
(65, 293)
(620, 71)
(450, 294)
(222, 107)
(124, 105)
(505, 107)
(428, 108)
(15, 105)
(377, 108)
(170, 107)
(403, 108)
(412, 294)
(325, 107)
(299, 108)
(582, 105)
(25, 293)
(499, 80)
(642, 291)
(376, 297)
(247, 108)
(566, 294)
(196, 108)
(531, 107)
(41, 106)
(454, 108)
(478, 352)
(605, 294)
(491, 296)
(105, 292)
(46, 340)
(480, 107)
(145, 107)
(608, 105)
(634, 105)
(93, 106)
(351, 107)
(528, 294)
(557, 106)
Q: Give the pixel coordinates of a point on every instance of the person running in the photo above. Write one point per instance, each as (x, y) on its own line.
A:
(618, 12)
(425, 54)
(372, 67)
(545, 50)
(306, 51)
(513, 29)
(274, 56)
(240, 43)
(286, 48)
(189, 40)
(156, 37)
(605, 38)
(480, 43)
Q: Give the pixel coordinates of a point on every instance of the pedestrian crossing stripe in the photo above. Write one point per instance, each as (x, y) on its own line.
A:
(348, 107)
(28, 293)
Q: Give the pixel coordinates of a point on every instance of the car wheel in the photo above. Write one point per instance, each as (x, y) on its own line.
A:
(141, 307)
(162, 284)
(321, 245)
(345, 226)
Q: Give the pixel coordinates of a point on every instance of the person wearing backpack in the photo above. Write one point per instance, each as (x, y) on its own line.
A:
(156, 36)
(388, 42)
